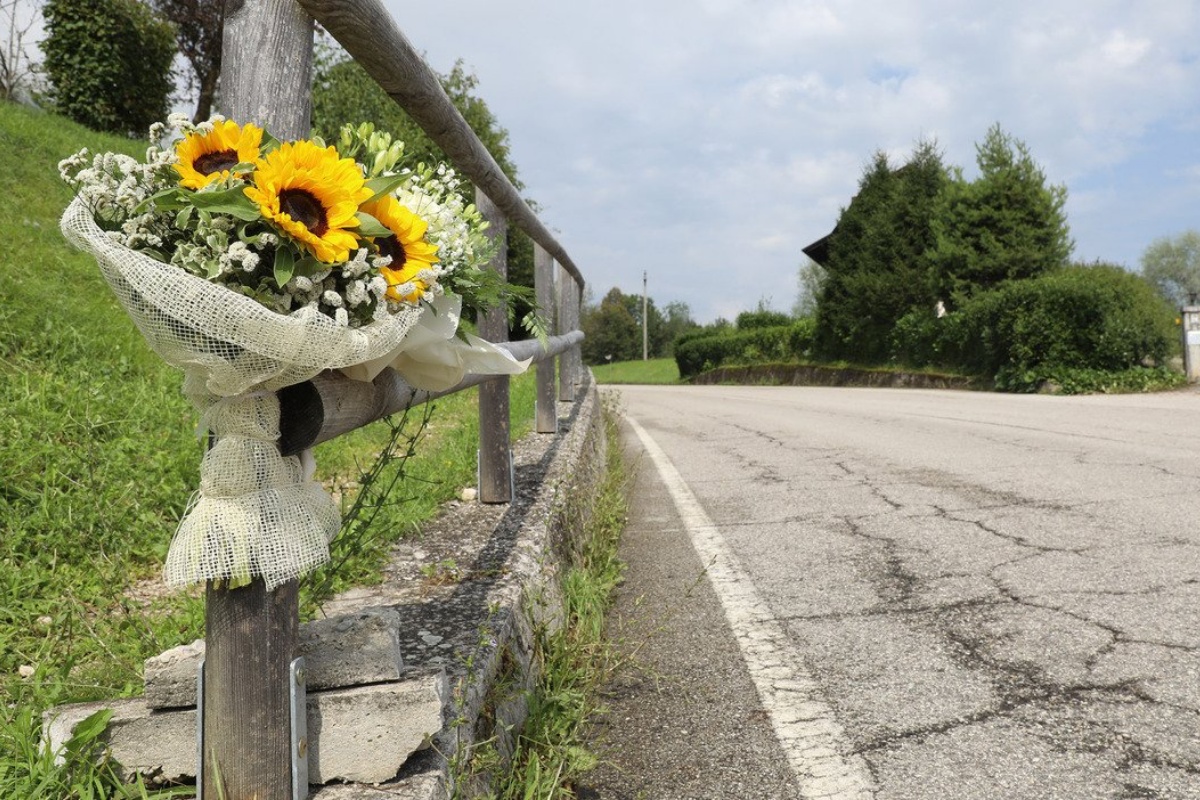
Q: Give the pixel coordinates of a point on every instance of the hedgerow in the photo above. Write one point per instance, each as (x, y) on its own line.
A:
(695, 354)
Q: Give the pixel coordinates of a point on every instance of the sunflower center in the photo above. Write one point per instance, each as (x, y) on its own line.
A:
(391, 246)
(304, 208)
(218, 161)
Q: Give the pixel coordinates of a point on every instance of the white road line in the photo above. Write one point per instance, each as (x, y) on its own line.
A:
(811, 737)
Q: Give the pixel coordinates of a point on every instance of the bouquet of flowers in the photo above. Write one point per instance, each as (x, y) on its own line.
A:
(253, 264)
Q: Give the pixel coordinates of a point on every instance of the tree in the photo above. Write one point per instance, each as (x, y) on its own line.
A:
(18, 73)
(199, 26)
(1006, 225)
(1172, 265)
(876, 271)
(344, 93)
(809, 280)
(611, 332)
(109, 62)
(677, 320)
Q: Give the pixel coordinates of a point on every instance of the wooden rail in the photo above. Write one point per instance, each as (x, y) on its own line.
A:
(329, 405)
(368, 33)
(266, 78)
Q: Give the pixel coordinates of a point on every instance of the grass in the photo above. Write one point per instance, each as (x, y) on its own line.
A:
(574, 659)
(98, 457)
(655, 370)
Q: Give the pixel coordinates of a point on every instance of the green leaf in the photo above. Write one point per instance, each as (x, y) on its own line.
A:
(166, 200)
(227, 201)
(384, 184)
(370, 226)
(308, 266)
(89, 730)
(285, 265)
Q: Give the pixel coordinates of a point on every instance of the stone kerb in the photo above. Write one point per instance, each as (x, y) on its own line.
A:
(406, 677)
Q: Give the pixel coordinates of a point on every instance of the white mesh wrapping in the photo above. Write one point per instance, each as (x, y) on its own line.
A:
(256, 513)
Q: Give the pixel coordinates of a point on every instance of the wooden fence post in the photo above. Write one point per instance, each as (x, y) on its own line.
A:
(251, 633)
(543, 283)
(568, 320)
(495, 454)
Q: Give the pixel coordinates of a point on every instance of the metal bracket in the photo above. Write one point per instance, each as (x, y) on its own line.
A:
(298, 694)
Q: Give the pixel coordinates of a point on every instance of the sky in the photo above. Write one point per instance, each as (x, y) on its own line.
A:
(705, 143)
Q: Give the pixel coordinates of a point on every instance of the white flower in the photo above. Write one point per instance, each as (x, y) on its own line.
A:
(356, 293)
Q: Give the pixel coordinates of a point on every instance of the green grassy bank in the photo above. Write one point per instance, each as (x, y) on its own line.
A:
(98, 457)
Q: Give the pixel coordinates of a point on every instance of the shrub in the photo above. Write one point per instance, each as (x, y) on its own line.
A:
(109, 62)
(1066, 380)
(915, 339)
(1096, 317)
(750, 320)
(695, 354)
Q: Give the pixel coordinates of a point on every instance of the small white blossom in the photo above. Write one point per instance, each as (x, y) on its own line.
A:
(356, 293)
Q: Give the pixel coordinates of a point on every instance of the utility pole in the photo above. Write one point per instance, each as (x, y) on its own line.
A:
(645, 322)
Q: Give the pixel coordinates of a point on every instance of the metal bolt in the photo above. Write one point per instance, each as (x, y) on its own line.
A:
(300, 677)
(302, 748)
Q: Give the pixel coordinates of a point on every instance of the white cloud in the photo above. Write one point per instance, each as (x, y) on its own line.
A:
(707, 142)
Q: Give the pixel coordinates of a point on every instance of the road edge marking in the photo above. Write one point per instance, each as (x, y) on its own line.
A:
(805, 725)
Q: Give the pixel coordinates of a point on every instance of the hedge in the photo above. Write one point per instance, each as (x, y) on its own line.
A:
(776, 343)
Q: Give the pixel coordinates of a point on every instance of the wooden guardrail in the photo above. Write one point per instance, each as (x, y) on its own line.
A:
(250, 632)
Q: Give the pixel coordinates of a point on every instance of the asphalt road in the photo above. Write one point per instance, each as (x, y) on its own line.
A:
(907, 595)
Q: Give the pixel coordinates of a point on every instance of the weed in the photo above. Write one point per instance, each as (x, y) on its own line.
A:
(572, 660)
(443, 572)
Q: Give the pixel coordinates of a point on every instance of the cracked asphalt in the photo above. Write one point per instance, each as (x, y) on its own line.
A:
(996, 595)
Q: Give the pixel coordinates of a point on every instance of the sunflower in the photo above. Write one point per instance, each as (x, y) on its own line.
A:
(202, 159)
(410, 253)
(312, 195)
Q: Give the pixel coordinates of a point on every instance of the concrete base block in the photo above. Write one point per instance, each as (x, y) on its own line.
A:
(160, 746)
(364, 734)
(349, 650)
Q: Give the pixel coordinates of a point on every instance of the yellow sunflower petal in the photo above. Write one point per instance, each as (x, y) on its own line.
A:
(411, 253)
(312, 195)
(202, 159)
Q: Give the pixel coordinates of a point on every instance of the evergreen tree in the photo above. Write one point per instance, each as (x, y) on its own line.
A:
(109, 62)
(1006, 225)
(877, 271)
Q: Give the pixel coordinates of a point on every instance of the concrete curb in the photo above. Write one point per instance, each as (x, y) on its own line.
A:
(798, 375)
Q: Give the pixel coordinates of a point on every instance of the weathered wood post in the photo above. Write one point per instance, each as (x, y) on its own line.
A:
(250, 633)
(568, 320)
(495, 454)
(543, 283)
